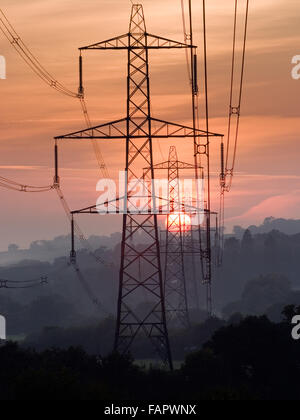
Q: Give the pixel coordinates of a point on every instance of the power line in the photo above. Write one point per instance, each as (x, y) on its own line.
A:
(22, 49)
(186, 39)
(15, 186)
(24, 52)
(78, 231)
(96, 302)
(229, 160)
(28, 284)
(24, 284)
(12, 185)
(235, 108)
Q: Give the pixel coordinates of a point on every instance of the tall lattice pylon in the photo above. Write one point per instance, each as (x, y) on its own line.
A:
(140, 271)
(140, 267)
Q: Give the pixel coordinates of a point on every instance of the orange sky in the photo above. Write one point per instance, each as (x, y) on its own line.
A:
(267, 178)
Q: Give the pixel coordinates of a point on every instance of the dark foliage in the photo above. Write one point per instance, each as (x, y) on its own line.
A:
(254, 359)
(267, 294)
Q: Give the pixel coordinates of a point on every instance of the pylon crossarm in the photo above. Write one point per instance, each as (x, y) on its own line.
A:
(169, 129)
(121, 42)
(184, 165)
(118, 42)
(112, 130)
(118, 130)
(156, 42)
(119, 207)
(181, 165)
(93, 209)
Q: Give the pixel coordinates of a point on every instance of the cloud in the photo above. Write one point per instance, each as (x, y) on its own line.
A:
(22, 167)
(284, 205)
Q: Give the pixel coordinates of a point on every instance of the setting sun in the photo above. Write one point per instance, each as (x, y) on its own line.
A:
(176, 221)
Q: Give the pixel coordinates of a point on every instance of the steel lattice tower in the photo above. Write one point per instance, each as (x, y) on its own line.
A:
(175, 282)
(140, 269)
(174, 272)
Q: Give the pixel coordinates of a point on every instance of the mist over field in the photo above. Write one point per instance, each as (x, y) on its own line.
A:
(260, 275)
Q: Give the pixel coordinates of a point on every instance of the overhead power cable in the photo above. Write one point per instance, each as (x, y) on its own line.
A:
(80, 235)
(12, 185)
(96, 302)
(235, 107)
(228, 161)
(28, 284)
(15, 186)
(187, 38)
(24, 52)
(22, 49)
(25, 284)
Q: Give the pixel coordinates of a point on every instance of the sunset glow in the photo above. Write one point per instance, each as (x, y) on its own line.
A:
(32, 114)
(175, 222)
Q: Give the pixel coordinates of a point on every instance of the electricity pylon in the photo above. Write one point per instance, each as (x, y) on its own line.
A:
(177, 226)
(140, 265)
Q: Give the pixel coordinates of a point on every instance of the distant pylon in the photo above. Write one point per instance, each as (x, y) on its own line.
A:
(176, 227)
(140, 269)
(175, 280)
